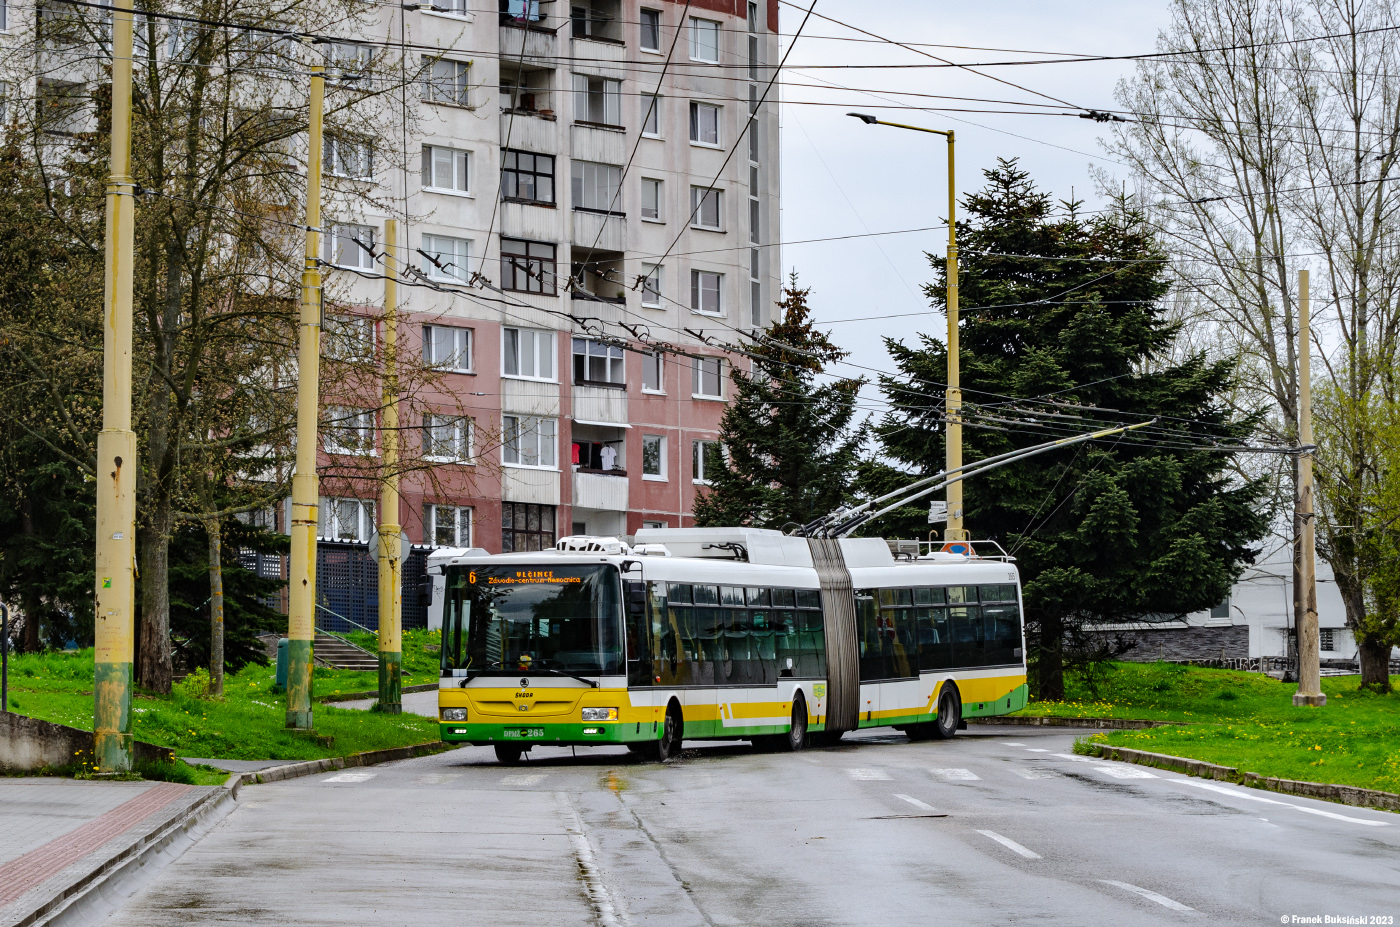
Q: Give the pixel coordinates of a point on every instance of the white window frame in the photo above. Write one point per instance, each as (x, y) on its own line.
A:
(658, 187)
(454, 431)
(654, 477)
(530, 437)
(651, 115)
(342, 420)
(340, 243)
(612, 358)
(456, 9)
(659, 361)
(541, 348)
(695, 129)
(462, 359)
(596, 187)
(653, 281)
(642, 30)
(460, 169)
(697, 460)
(448, 83)
(699, 30)
(699, 197)
(348, 337)
(700, 369)
(698, 292)
(453, 254)
(329, 518)
(611, 94)
(337, 147)
(463, 522)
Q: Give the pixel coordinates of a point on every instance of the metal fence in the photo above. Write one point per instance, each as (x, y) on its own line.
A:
(1283, 665)
(347, 587)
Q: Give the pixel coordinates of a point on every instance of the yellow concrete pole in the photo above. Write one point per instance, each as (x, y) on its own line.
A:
(390, 532)
(1309, 671)
(953, 409)
(116, 443)
(301, 618)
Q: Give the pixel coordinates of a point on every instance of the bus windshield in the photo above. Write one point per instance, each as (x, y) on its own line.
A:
(507, 620)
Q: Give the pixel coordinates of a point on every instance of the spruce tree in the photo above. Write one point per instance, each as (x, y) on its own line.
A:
(1065, 330)
(789, 450)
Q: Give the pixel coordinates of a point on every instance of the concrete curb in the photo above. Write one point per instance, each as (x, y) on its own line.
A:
(1116, 724)
(312, 767)
(373, 693)
(1342, 794)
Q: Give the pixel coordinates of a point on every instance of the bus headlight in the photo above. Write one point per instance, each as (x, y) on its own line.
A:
(600, 714)
(454, 714)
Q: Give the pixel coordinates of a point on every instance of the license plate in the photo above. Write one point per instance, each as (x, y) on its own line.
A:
(521, 733)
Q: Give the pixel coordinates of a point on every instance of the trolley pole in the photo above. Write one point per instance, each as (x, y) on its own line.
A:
(1309, 673)
(301, 617)
(390, 532)
(115, 601)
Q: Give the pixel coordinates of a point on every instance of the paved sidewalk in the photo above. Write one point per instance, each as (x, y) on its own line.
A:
(53, 831)
(417, 703)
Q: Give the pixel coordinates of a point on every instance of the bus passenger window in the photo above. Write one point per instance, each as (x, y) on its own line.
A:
(869, 645)
(784, 598)
(812, 633)
(706, 595)
(678, 594)
(935, 644)
(809, 598)
(758, 597)
(968, 639)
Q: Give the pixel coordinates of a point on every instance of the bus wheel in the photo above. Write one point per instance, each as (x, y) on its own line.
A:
(796, 737)
(669, 743)
(509, 754)
(949, 714)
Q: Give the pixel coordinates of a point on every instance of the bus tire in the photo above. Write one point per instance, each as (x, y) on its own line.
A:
(672, 729)
(945, 725)
(796, 737)
(509, 754)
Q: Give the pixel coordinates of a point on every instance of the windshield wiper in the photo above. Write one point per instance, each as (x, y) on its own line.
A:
(543, 669)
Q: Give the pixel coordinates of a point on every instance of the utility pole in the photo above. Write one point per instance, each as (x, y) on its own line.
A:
(115, 601)
(306, 489)
(1309, 673)
(390, 532)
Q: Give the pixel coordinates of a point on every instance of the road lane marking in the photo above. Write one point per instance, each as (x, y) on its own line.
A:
(524, 779)
(1010, 844)
(869, 775)
(922, 806)
(1037, 750)
(1077, 759)
(351, 777)
(1025, 773)
(1240, 793)
(1162, 900)
(1011, 743)
(437, 779)
(956, 775)
(1126, 772)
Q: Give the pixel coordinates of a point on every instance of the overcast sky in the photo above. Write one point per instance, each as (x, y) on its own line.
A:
(841, 177)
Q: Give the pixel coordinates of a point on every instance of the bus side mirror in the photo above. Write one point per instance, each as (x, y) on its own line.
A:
(425, 592)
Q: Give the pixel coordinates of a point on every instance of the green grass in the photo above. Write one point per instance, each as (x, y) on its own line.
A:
(1246, 720)
(420, 664)
(247, 724)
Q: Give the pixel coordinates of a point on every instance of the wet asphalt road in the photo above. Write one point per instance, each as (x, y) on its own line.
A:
(999, 826)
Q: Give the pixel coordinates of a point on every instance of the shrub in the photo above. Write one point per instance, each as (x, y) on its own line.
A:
(167, 772)
(195, 685)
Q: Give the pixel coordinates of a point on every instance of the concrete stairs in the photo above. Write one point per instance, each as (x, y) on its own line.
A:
(332, 651)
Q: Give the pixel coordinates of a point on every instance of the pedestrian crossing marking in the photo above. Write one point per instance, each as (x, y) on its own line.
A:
(1126, 772)
(351, 777)
(1027, 773)
(955, 775)
(524, 779)
(869, 775)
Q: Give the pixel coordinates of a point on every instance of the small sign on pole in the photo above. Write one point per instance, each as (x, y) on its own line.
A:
(937, 512)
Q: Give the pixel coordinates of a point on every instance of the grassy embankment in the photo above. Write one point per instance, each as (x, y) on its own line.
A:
(247, 723)
(1246, 720)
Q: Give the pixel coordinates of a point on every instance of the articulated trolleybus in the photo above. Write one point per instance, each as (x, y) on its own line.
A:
(720, 633)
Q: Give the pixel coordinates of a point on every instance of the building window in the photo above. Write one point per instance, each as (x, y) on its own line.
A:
(753, 16)
(753, 220)
(345, 519)
(653, 524)
(527, 353)
(652, 381)
(527, 266)
(447, 525)
(526, 526)
(350, 246)
(651, 115)
(704, 124)
(446, 258)
(520, 12)
(598, 100)
(451, 8)
(705, 289)
(1222, 610)
(705, 460)
(705, 208)
(651, 30)
(653, 457)
(651, 286)
(596, 362)
(597, 187)
(346, 59)
(348, 337)
(527, 177)
(704, 40)
(447, 437)
(705, 379)
(596, 19)
(447, 83)
(346, 157)
(651, 199)
(446, 169)
(348, 431)
(1327, 639)
(448, 348)
(528, 441)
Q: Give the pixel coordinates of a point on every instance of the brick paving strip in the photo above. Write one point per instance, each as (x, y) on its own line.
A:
(26, 872)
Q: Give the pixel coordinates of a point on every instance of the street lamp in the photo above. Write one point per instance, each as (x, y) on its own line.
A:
(953, 402)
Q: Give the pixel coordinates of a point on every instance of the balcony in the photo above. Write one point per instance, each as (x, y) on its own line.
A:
(539, 43)
(602, 490)
(599, 230)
